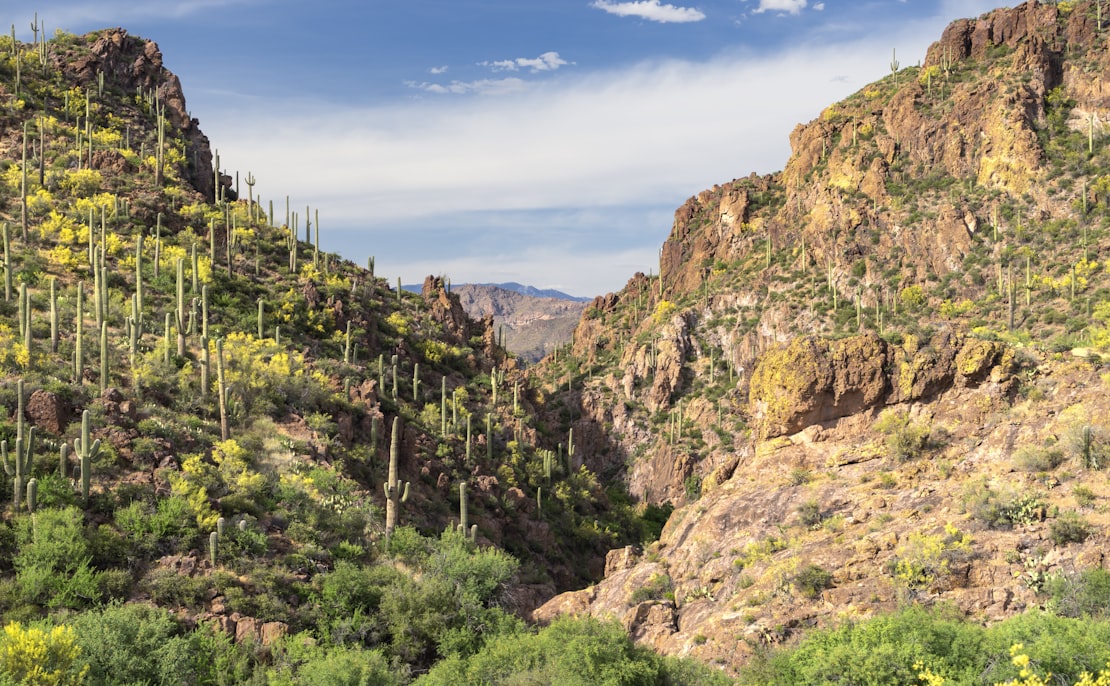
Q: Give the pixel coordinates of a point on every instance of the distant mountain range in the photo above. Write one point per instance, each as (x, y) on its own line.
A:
(516, 288)
(535, 321)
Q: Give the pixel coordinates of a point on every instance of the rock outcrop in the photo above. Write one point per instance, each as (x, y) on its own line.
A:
(811, 381)
(134, 65)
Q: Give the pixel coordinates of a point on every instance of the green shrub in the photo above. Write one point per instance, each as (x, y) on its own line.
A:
(905, 437)
(1084, 496)
(656, 588)
(1002, 508)
(131, 644)
(811, 580)
(1069, 528)
(309, 665)
(570, 651)
(53, 562)
(1037, 458)
(1086, 593)
(810, 515)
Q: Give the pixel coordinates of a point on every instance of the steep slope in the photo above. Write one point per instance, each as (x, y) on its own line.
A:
(209, 415)
(863, 362)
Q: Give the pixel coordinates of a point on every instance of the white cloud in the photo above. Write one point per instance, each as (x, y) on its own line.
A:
(435, 71)
(651, 10)
(548, 61)
(607, 155)
(785, 6)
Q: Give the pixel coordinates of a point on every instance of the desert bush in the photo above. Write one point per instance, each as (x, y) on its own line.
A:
(924, 558)
(811, 580)
(35, 656)
(906, 438)
(1032, 458)
(1002, 508)
(1069, 528)
(1079, 594)
(810, 515)
(657, 587)
(570, 651)
(1089, 445)
(53, 561)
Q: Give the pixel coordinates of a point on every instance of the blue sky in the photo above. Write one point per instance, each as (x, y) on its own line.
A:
(541, 141)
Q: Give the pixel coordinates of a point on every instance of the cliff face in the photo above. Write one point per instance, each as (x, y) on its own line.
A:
(724, 581)
(977, 128)
(868, 353)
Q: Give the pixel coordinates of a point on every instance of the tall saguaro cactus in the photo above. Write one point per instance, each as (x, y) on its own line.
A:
(86, 449)
(395, 492)
(470, 532)
(225, 429)
(179, 311)
(7, 262)
(20, 466)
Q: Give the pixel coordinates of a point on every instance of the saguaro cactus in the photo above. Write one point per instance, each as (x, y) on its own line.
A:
(19, 468)
(470, 532)
(63, 460)
(395, 492)
(32, 495)
(103, 356)
(79, 326)
(179, 311)
(7, 262)
(225, 430)
(86, 451)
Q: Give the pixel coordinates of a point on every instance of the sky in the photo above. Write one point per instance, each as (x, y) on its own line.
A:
(546, 142)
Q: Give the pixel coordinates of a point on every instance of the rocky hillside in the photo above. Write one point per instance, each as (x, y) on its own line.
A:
(874, 376)
(529, 326)
(216, 433)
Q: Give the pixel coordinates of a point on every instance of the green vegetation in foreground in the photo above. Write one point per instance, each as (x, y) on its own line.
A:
(433, 599)
(902, 647)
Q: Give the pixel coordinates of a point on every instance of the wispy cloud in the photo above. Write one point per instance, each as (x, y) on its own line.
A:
(624, 145)
(548, 61)
(436, 71)
(652, 10)
(584, 168)
(784, 6)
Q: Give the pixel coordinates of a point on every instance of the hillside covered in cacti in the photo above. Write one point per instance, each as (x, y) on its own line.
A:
(228, 455)
(853, 431)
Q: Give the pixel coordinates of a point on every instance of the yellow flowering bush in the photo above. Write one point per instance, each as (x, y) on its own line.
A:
(398, 323)
(48, 658)
(264, 375)
(926, 557)
(1028, 677)
(227, 471)
(81, 182)
(40, 201)
(94, 204)
(62, 228)
(663, 311)
(13, 355)
(189, 485)
(63, 257)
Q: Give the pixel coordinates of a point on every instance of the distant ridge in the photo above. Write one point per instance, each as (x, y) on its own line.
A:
(515, 288)
(536, 292)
